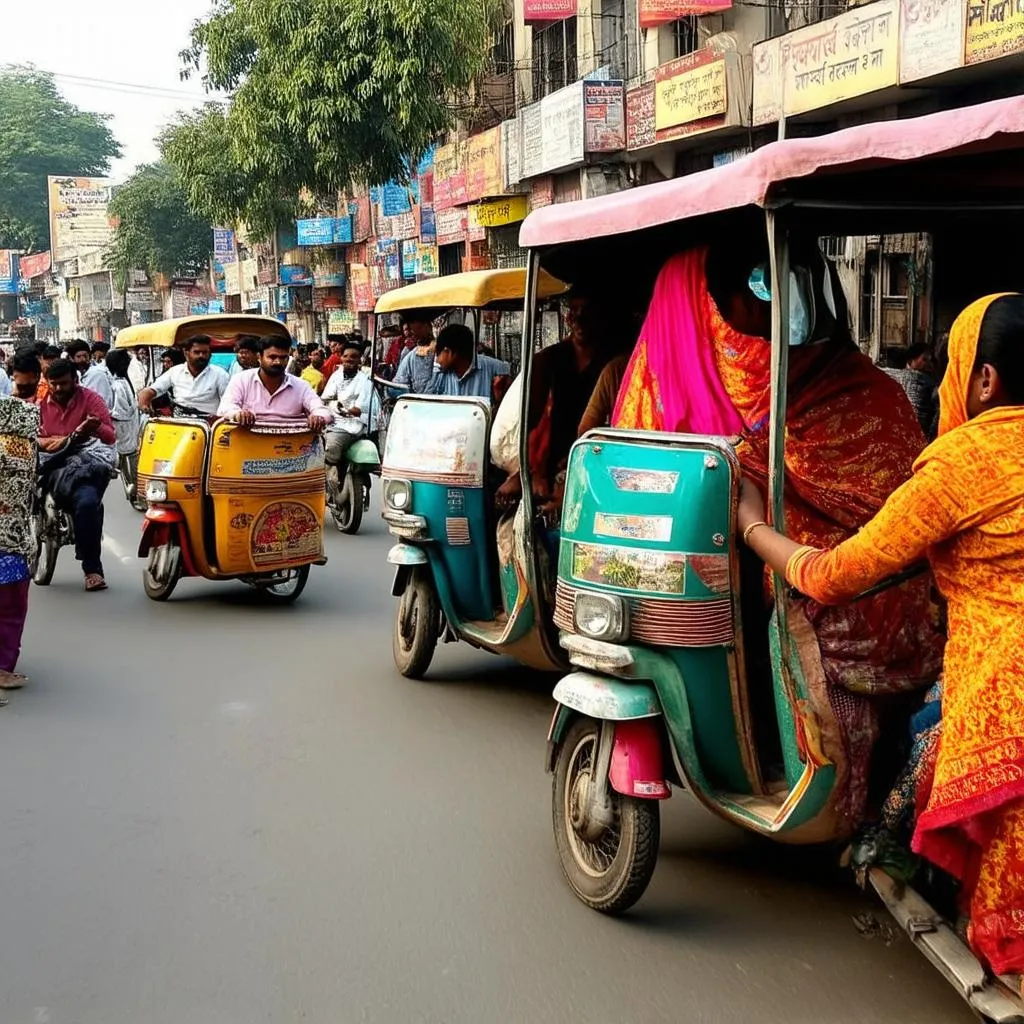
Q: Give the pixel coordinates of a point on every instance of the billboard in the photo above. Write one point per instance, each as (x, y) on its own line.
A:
(79, 221)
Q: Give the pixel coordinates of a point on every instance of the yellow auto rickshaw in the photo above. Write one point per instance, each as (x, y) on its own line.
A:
(226, 501)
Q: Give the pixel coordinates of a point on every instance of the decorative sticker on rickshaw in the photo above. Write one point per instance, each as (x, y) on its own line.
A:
(242, 521)
(713, 571)
(305, 460)
(285, 532)
(657, 528)
(657, 572)
(644, 481)
(162, 467)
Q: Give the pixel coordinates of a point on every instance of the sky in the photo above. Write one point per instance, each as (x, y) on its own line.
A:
(131, 42)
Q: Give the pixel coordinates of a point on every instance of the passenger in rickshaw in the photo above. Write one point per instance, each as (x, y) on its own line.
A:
(195, 387)
(963, 509)
(460, 371)
(702, 365)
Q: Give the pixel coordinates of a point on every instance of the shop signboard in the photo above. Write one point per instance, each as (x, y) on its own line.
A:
(340, 321)
(847, 56)
(395, 199)
(640, 130)
(410, 253)
(931, 37)
(604, 116)
(329, 275)
(690, 94)
(451, 225)
(484, 176)
(540, 11)
(995, 28)
(362, 291)
(324, 231)
(33, 266)
(428, 225)
(767, 88)
(79, 221)
(296, 276)
(450, 176)
(283, 298)
(498, 212)
(653, 13)
(8, 272)
(224, 245)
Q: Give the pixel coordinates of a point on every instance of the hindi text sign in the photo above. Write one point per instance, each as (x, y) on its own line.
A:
(995, 28)
(690, 94)
(604, 117)
(660, 12)
(640, 130)
(931, 37)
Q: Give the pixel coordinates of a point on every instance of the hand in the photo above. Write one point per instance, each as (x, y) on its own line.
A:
(51, 444)
(317, 421)
(244, 417)
(87, 428)
(353, 410)
(751, 506)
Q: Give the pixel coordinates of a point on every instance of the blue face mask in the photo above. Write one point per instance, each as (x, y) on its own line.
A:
(801, 308)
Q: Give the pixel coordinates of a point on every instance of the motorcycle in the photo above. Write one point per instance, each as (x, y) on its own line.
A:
(51, 528)
(349, 497)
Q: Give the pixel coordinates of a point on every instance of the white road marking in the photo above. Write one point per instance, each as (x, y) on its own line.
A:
(118, 552)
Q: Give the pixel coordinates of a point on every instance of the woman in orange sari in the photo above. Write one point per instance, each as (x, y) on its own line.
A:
(963, 509)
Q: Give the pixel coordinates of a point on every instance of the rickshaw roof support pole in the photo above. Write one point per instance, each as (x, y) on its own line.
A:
(526, 356)
(778, 252)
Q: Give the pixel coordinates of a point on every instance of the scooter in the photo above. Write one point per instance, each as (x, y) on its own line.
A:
(350, 497)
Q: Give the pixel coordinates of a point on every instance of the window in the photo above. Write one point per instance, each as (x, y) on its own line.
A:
(834, 246)
(503, 50)
(554, 57)
(614, 48)
(684, 36)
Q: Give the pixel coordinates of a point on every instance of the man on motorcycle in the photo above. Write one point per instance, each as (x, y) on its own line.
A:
(195, 386)
(348, 394)
(76, 437)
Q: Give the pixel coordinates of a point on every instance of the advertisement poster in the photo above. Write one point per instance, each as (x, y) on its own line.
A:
(640, 130)
(78, 216)
(604, 117)
(324, 231)
(224, 245)
(660, 12)
(690, 90)
(8, 272)
(535, 11)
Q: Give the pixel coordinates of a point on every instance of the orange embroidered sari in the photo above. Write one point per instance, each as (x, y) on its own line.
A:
(964, 509)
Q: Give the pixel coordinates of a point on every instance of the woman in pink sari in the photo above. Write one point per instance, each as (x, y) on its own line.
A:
(851, 439)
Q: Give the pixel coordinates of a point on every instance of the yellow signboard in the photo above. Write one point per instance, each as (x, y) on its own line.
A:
(995, 28)
(499, 212)
(851, 55)
(687, 91)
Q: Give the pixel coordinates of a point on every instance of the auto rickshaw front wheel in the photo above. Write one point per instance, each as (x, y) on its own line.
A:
(417, 625)
(608, 867)
(163, 570)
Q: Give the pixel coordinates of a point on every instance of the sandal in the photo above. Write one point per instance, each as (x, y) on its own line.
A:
(12, 680)
(94, 581)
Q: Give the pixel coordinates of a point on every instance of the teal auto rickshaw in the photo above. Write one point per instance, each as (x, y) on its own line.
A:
(648, 594)
(463, 571)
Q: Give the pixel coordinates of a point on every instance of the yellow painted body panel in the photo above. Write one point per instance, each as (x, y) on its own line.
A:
(264, 492)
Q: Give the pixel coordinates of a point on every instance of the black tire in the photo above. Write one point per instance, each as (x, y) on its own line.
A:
(611, 874)
(348, 513)
(126, 474)
(289, 591)
(43, 562)
(163, 570)
(417, 621)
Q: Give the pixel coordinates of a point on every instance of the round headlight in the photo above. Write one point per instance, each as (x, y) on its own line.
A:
(398, 495)
(156, 490)
(600, 616)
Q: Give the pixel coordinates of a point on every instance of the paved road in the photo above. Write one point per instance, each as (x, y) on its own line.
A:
(216, 812)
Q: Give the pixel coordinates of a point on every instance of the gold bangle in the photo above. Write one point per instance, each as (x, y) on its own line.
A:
(747, 532)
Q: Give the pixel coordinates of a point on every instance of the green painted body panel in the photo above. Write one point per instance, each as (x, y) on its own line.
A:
(363, 453)
(604, 517)
(784, 711)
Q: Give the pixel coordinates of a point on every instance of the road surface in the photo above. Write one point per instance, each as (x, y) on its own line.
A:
(217, 812)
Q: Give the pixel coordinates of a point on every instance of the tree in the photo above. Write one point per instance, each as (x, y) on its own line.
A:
(41, 134)
(156, 230)
(324, 93)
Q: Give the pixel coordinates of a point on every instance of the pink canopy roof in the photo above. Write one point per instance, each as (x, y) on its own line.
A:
(748, 180)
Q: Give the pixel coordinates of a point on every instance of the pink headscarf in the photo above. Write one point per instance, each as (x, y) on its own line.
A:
(676, 346)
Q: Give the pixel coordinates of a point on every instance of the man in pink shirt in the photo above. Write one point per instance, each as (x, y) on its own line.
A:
(271, 393)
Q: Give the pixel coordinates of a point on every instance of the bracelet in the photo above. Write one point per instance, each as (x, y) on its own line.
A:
(747, 532)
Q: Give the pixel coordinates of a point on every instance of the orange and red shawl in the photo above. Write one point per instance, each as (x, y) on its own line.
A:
(851, 440)
(964, 508)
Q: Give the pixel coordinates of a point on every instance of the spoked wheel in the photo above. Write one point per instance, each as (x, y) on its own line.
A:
(608, 868)
(348, 512)
(43, 561)
(289, 588)
(417, 626)
(163, 570)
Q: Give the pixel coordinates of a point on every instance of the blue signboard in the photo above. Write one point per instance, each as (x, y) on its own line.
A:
(295, 276)
(283, 298)
(395, 199)
(410, 250)
(324, 231)
(8, 272)
(224, 245)
(216, 305)
(428, 226)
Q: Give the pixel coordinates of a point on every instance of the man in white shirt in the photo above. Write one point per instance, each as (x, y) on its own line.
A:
(137, 369)
(195, 387)
(247, 355)
(348, 394)
(92, 375)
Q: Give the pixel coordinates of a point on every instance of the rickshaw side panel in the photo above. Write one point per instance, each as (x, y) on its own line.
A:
(439, 446)
(651, 522)
(267, 497)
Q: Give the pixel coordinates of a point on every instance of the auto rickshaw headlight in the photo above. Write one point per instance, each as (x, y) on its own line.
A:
(398, 495)
(156, 491)
(601, 616)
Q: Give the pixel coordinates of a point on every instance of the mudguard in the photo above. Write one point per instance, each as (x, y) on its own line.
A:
(363, 453)
(607, 699)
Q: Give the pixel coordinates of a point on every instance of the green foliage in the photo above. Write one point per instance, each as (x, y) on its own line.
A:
(324, 93)
(42, 134)
(156, 230)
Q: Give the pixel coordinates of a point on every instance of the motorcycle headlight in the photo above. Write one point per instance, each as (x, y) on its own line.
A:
(156, 491)
(601, 616)
(398, 495)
